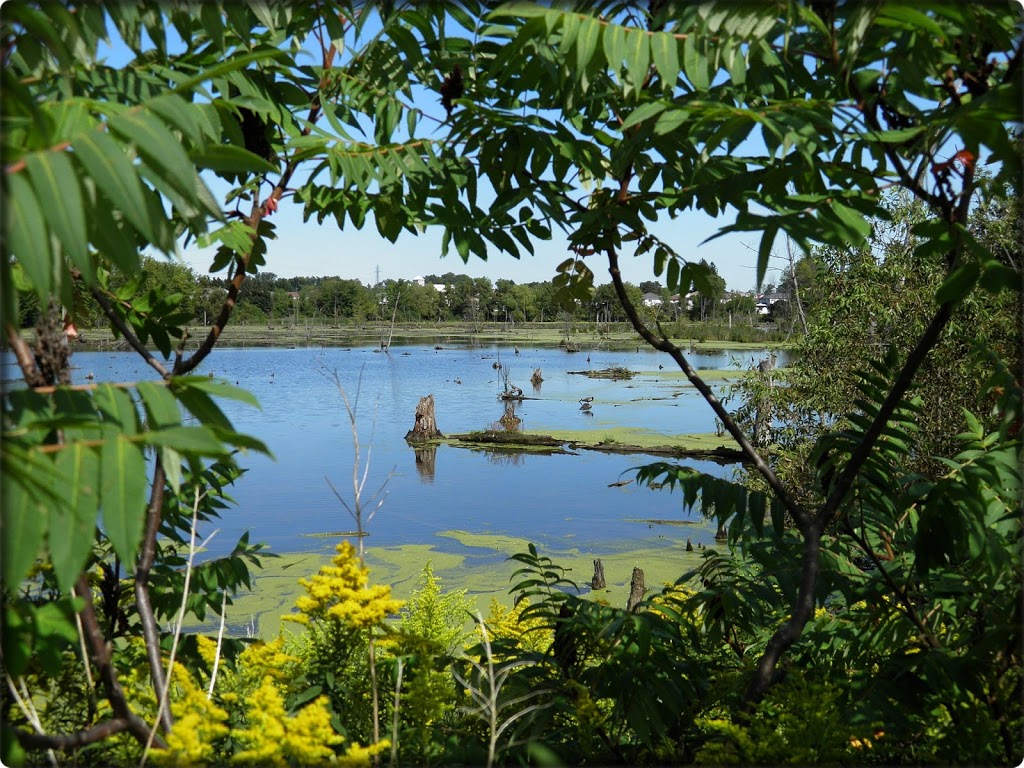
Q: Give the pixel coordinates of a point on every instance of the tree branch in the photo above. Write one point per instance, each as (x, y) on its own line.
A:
(143, 605)
(915, 359)
(101, 658)
(664, 345)
(98, 732)
(26, 361)
(803, 609)
(127, 332)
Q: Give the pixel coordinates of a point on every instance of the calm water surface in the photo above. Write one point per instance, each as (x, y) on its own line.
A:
(560, 500)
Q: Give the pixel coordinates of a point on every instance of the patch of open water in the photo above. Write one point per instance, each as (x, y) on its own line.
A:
(559, 500)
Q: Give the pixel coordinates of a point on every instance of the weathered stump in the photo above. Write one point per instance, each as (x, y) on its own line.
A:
(598, 581)
(426, 458)
(536, 379)
(721, 534)
(636, 590)
(689, 545)
(425, 427)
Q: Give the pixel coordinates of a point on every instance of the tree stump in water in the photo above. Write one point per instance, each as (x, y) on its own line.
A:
(689, 545)
(636, 590)
(536, 379)
(721, 534)
(425, 427)
(598, 581)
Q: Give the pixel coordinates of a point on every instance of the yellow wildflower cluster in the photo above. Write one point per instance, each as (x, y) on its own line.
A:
(506, 623)
(341, 592)
(198, 724)
(273, 738)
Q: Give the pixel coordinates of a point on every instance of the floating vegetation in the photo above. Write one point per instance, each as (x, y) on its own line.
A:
(616, 372)
(332, 534)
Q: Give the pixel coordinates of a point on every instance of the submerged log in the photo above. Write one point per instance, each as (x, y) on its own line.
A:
(425, 427)
(598, 581)
(636, 590)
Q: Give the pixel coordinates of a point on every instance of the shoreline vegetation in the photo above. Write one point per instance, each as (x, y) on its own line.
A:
(582, 337)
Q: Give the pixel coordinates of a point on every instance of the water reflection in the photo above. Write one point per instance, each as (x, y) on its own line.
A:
(426, 459)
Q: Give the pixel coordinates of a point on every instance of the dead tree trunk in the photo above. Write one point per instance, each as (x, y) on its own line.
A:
(425, 427)
(536, 379)
(636, 590)
(598, 581)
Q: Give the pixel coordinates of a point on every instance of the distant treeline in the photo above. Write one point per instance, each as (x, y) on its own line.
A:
(266, 298)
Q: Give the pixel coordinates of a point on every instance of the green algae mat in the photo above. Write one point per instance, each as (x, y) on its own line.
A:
(479, 564)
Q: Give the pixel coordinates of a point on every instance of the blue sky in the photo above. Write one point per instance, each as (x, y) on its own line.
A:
(311, 249)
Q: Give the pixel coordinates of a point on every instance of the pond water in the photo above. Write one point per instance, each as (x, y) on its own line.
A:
(554, 500)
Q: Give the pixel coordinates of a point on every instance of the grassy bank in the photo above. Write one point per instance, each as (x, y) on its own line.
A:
(584, 336)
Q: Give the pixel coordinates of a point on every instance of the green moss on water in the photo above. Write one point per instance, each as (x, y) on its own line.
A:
(481, 567)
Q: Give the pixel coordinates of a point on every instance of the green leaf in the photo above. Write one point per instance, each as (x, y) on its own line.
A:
(160, 148)
(72, 523)
(644, 112)
(695, 65)
(26, 233)
(216, 388)
(764, 252)
(666, 57)
(162, 409)
(956, 287)
(22, 528)
(123, 494)
(614, 43)
(105, 160)
(188, 440)
(586, 42)
(232, 159)
(117, 408)
(60, 195)
(638, 56)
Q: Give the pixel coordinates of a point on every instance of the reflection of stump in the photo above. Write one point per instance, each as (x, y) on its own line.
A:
(536, 379)
(509, 420)
(425, 461)
(636, 590)
(425, 427)
(598, 581)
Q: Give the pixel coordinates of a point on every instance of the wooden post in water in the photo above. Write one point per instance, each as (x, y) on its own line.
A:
(598, 581)
(636, 590)
(425, 427)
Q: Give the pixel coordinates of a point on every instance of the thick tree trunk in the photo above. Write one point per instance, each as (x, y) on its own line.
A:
(425, 427)
(636, 590)
(598, 581)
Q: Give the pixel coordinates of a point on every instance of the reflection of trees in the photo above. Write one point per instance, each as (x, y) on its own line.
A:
(508, 458)
(425, 459)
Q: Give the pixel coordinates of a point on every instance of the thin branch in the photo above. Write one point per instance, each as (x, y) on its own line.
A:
(664, 345)
(91, 735)
(163, 693)
(134, 724)
(129, 335)
(220, 640)
(143, 605)
(26, 361)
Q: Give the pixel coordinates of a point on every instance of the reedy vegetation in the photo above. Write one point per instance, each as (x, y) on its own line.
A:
(893, 594)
